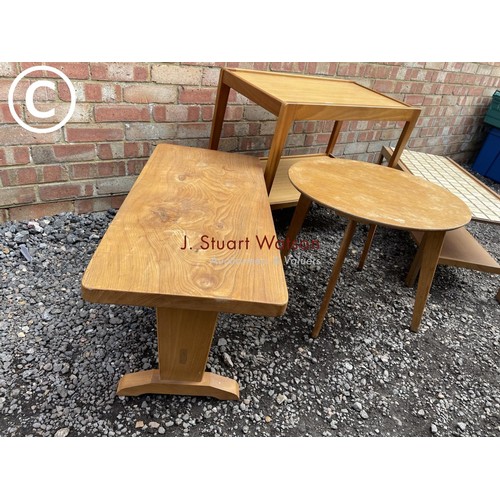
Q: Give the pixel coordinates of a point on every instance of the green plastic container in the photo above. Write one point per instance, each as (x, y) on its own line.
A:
(493, 115)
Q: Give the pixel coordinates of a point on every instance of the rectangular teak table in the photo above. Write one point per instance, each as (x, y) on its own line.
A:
(187, 241)
(293, 97)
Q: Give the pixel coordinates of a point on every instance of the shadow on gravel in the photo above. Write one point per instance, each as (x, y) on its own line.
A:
(366, 375)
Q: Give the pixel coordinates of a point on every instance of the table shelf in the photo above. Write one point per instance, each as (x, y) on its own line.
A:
(283, 194)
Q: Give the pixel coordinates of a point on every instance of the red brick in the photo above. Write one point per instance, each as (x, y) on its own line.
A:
(26, 175)
(189, 95)
(134, 167)
(370, 135)
(149, 92)
(350, 69)
(137, 149)
(6, 115)
(176, 113)
(187, 130)
(299, 127)
(122, 113)
(99, 204)
(60, 191)
(207, 113)
(414, 100)
(19, 93)
(233, 113)
(376, 71)
(98, 71)
(258, 143)
(384, 86)
(311, 68)
(6, 177)
(97, 133)
(119, 72)
(39, 210)
(62, 152)
(17, 195)
(131, 149)
(81, 114)
(21, 155)
(97, 169)
(110, 151)
(141, 73)
(35, 74)
(93, 92)
(75, 70)
(74, 151)
(293, 67)
(16, 155)
(4, 215)
(15, 135)
(53, 173)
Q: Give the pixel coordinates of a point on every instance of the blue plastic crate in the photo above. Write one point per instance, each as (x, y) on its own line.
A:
(488, 160)
(493, 114)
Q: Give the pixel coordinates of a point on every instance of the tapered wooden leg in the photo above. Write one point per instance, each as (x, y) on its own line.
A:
(366, 248)
(403, 139)
(411, 277)
(219, 112)
(498, 295)
(283, 124)
(298, 217)
(333, 137)
(344, 246)
(184, 339)
(431, 248)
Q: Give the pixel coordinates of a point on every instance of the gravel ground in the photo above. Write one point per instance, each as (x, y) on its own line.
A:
(366, 375)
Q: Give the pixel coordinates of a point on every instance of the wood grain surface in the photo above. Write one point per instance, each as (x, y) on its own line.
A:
(384, 196)
(182, 196)
(291, 88)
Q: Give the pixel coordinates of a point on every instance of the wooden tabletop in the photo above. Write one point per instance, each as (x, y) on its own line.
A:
(271, 90)
(374, 194)
(184, 197)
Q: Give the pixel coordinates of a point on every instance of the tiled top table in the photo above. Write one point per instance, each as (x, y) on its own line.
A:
(298, 97)
(460, 248)
(482, 201)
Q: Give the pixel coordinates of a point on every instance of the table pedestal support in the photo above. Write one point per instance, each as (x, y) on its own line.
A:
(184, 340)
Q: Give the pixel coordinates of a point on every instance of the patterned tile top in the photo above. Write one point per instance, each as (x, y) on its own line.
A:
(483, 203)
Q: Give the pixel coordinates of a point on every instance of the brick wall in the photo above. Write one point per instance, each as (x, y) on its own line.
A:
(124, 109)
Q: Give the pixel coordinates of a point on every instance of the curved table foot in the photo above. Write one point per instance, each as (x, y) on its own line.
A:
(149, 382)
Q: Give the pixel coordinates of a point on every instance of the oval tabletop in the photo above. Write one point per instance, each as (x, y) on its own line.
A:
(376, 194)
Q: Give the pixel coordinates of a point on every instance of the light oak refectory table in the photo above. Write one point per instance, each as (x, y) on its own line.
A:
(293, 97)
(186, 241)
